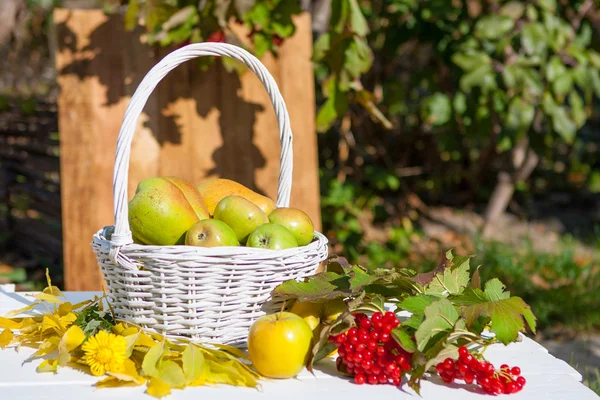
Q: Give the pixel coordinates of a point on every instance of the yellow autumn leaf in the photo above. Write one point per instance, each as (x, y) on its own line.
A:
(152, 358)
(129, 373)
(72, 339)
(53, 291)
(171, 374)
(51, 322)
(11, 323)
(193, 363)
(47, 347)
(48, 366)
(130, 340)
(6, 337)
(158, 388)
(132, 330)
(68, 319)
(48, 298)
(21, 310)
(145, 341)
(119, 328)
(64, 309)
(114, 382)
(233, 351)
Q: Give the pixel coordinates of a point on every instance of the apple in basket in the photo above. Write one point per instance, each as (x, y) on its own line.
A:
(278, 345)
(272, 236)
(296, 221)
(211, 233)
(241, 215)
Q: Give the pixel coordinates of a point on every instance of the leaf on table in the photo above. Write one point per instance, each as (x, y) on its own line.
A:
(416, 306)
(129, 374)
(404, 339)
(158, 388)
(149, 365)
(193, 363)
(48, 366)
(440, 316)
(326, 285)
(115, 382)
(22, 310)
(46, 347)
(65, 309)
(171, 373)
(359, 278)
(508, 314)
(447, 351)
(6, 337)
(72, 339)
(145, 341)
(11, 323)
(415, 379)
(233, 351)
(131, 342)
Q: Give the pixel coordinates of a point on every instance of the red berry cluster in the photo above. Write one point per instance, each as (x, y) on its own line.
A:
(469, 369)
(369, 353)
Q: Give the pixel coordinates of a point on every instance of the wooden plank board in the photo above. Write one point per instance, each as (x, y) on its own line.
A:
(196, 124)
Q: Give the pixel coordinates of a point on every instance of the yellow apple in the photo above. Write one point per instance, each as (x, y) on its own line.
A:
(278, 345)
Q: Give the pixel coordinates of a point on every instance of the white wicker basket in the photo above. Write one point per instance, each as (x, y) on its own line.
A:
(210, 295)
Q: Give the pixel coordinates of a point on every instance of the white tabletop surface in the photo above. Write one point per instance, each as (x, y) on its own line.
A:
(547, 377)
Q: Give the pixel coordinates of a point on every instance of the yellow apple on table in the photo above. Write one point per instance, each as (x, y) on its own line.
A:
(278, 345)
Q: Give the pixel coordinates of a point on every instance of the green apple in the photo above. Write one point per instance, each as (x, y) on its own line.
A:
(241, 215)
(272, 236)
(296, 221)
(211, 233)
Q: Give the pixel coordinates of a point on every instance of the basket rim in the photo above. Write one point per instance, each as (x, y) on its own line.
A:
(221, 251)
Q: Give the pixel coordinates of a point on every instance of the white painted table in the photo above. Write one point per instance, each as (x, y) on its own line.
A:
(547, 378)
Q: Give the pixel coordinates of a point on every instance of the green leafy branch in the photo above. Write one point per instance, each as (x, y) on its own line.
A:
(447, 307)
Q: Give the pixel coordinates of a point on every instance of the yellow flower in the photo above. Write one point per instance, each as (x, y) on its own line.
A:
(105, 352)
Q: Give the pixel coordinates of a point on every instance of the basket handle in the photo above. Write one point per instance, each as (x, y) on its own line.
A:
(122, 232)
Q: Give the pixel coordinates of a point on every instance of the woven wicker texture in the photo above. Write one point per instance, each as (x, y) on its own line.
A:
(193, 293)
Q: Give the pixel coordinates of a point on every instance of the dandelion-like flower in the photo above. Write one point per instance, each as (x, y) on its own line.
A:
(104, 352)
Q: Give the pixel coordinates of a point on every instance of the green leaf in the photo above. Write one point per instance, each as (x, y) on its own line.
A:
(470, 61)
(262, 44)
(534, 38)
(520, 114)
(440, 317)
(507, 313)
(452, 280)
(459, 103)
(335, 107)
(360, 279)
(357, 57)
(563, 125)
(511, 76)
(193, 363)
(339, 15)
(482, 77)
(447, 351)
(131, 15)
(358, 23)
(555, 69)
(562, 85)
(326, 285)
(321, 47)
(577, 109)
(549, 5)
(404, 340)
(513, 9)
(594, 58)
(436, 109)
(493, 27)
